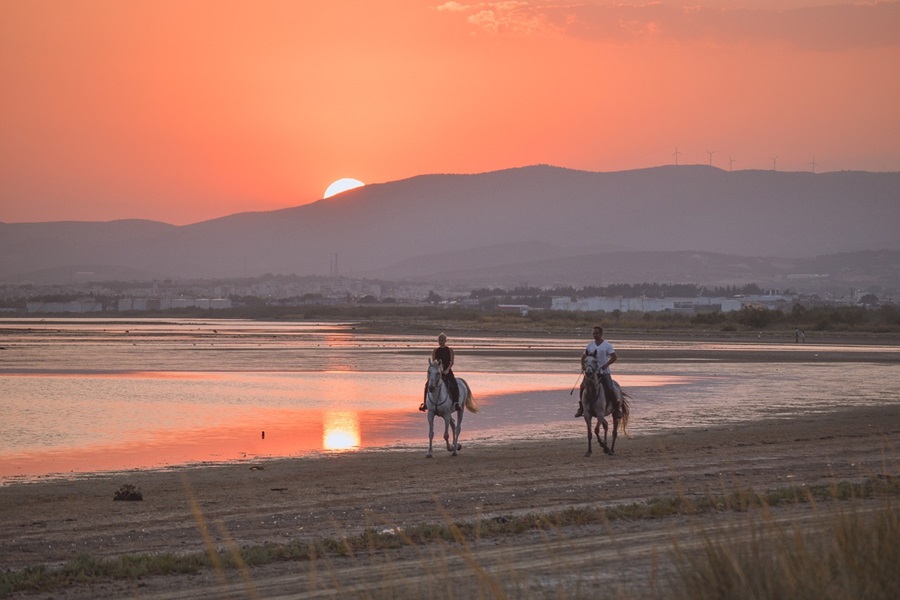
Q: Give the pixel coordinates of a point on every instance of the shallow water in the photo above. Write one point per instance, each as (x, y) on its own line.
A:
(83, 396)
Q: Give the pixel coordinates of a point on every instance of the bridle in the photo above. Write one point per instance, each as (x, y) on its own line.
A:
(591, 375)
(434, 388)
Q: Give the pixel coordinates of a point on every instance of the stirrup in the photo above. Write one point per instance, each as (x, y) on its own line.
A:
(580, 412)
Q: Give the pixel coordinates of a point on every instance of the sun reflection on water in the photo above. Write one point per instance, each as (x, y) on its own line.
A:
(340, 430)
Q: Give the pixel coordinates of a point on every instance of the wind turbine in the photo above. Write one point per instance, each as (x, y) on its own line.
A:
(813, 164)
(774, 162)
(730, 164)
(676, 153)
(710, 152)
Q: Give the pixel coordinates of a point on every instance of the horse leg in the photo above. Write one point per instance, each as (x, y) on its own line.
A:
(603, 444)
(612, 448)
(430, 433)
(456, 445)
(587, 419)
(448, 423)
(616, 416)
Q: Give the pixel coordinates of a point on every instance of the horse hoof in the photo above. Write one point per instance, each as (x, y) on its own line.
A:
(588, 453)
(607, 451)
(454, 453)
(428, 455)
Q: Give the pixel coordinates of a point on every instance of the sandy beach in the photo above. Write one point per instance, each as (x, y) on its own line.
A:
(326, 497)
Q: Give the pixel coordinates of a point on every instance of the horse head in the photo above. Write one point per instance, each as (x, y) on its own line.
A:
(435, 378)
(591, 372)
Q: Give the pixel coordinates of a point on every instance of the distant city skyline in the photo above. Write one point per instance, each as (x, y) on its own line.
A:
(182, 112)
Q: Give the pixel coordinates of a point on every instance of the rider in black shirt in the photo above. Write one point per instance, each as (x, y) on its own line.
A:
(445, 354)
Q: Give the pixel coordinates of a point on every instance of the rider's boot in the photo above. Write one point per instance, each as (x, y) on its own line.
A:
(580, 412)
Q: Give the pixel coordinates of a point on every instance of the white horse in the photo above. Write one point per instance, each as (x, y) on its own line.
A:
(438, 402)
(597, 405)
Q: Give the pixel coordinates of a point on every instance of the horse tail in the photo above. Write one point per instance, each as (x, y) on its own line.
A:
(471, 405)
(626, 410)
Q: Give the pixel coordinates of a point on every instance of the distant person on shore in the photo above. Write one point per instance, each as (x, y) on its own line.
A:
(603, 353)
(445, 354)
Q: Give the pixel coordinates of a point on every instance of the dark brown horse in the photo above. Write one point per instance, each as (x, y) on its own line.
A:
(597, 405)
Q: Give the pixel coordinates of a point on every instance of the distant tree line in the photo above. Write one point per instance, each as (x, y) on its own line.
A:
(884, 319)
(541, 298)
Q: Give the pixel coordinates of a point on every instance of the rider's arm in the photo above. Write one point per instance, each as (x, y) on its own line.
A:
(452, 357)
(612, 358)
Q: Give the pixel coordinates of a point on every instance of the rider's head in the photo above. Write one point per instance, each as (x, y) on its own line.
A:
(442, 339)
(597, 331)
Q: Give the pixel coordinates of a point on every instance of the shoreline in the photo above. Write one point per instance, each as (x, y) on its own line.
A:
(415, 446)
(890, 413)
(486, 438)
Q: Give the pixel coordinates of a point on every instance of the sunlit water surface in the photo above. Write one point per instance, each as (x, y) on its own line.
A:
(81, 396)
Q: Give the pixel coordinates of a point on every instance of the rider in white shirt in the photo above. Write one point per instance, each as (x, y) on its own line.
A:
(602, 352)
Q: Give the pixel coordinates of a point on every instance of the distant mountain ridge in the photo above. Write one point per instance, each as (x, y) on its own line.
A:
(548, 218)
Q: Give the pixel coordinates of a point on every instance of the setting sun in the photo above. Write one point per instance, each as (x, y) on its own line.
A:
(342, 185)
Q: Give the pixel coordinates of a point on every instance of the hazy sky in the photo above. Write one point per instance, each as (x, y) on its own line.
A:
(185, 110)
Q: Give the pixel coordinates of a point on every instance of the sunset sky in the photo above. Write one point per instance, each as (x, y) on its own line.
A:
(182, 111)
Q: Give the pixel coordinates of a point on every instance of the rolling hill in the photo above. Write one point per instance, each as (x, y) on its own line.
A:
(537, 223)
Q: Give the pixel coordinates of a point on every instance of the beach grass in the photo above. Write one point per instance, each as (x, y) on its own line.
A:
(849, 549)
(848, 552)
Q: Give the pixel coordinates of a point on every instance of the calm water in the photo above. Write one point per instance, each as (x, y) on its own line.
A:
(82, 396)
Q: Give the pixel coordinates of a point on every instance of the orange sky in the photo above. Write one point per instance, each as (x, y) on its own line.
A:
(186, 110)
